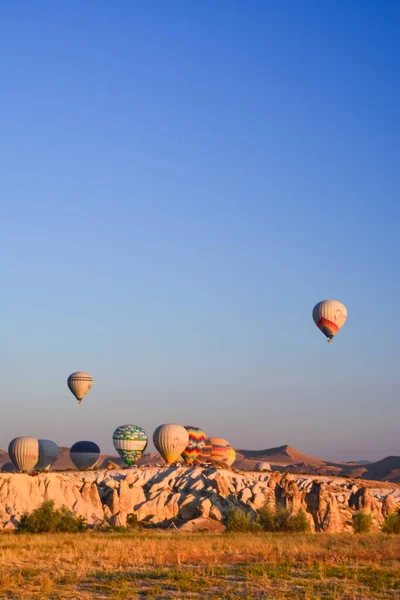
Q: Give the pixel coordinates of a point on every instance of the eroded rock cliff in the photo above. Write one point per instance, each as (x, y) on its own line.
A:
(165, 496)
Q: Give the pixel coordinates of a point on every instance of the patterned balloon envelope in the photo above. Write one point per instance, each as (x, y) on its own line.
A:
(205, 454)
(329, 316)
(219, 450)
(130, 441)
(197, 439)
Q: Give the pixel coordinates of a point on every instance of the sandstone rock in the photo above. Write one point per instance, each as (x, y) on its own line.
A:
(112, 465)
(203, 524)
(245, 495)
(216, 513)
(161, 495)
(389, 505)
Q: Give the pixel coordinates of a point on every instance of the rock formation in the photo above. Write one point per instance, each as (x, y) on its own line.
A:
(196, 498)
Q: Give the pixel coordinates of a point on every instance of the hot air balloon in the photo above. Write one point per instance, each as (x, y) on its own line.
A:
(84, 454)
(80, 383)
(24, 452)
(329, 316)
(230, 457)
(170, 440)
(205, 454)
(197, 439)
(220, 448)
(263, 466)
(130, 442)
(48, 454)
(8, 467)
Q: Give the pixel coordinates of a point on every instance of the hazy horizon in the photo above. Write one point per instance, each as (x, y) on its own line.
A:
(181, 184)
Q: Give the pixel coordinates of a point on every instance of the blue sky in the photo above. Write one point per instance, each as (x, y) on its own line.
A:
(180, 183)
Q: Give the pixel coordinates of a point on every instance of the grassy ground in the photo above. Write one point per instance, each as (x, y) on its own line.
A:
(162, 565)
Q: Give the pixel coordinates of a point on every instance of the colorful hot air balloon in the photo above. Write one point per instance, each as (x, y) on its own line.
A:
(48, 454)
(130, 442)
(329, 316)
(197, 439)
(230, 457)
(220, 448)
(24, 452)
(170, 440)
(205, 454)
(84, 454)
(80, 383)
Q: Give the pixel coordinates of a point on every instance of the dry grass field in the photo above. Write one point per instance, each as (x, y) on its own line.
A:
(164, 565)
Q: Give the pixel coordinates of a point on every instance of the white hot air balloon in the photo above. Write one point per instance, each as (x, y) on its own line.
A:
(48, 454)
(263, 466)
(80, 383)
(24, 452)
(170, 440)
(329, 316)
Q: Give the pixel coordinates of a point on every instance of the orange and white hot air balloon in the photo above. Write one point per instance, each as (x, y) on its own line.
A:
(79, 384)
(329, 316)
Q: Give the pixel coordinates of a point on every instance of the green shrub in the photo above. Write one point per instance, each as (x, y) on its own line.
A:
(279, 519)
(391, 524)
(299, 522)
(362, 522)
(239, 520)
(47, 519)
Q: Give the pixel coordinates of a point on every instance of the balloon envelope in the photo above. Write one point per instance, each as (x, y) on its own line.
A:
(130, 442)
(80, 383)
(205, 454)
(329, 316)
(220, 449)
(230, 457)
(48, 454)
(197, 439)
(24, 452)
(170, 440)
(84, 454)
(263, 466)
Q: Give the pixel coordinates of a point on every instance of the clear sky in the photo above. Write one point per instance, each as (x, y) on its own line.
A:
(180, 183)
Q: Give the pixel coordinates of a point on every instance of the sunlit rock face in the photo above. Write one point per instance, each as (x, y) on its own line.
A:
(173, 496)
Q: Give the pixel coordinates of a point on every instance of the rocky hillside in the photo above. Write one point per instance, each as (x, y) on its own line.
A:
(193, 498)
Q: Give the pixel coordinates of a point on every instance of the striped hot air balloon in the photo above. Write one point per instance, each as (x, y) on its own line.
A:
(80, 383)
(197, 439)
(220, 448)
(84, 454)
(329, 316)
(130, 441)
(48, 454)
(170, 440)
(24, 452)
(205, 454)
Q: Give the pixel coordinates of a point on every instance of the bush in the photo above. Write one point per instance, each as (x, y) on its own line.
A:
(391, 524)
(46, 519)
(299, 522)
(279, 519)
(239, 520)
(362, 522)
